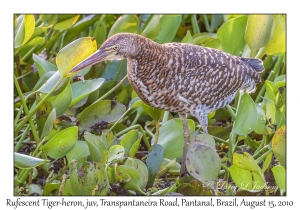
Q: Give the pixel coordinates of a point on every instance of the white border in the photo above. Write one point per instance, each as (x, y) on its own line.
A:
(138, 7)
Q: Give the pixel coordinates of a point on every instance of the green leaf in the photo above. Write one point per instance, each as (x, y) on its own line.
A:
(203, 138)
(131, 176)
(246, 116)
(203, 162)
(61, 143)
(89, 180)
(141, 168)
(162, 28)
(62, 99)
(170, 166)
(74, 53)
(276, 44)
(79, 151)
(269, 91)
(34, 189)
(26, 161)
(135, 147)
(100, 31)
(214, 43)
(258, 30)
(279, 145)
(260, 127)
(231, 34)
(63, 25)
(129, 139)
(49, 187)
(82, 89)
(100, 111)
(171, 137)
(280, 178)
(273, 113)
(246, 161)
(43, 65)
(241, 177)
(203, 38)
(267, 162)
(48, 81)
(46, 118)
(154, 161)
(188, 38)
(115, 153)
(35, 41)
(155, 113)
(125, 23)
(97, 147)
(24, 30)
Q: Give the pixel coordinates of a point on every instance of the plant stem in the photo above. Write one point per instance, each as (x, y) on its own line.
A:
(33, 129)
(261, 158)
(137, 116)
(195, 24)
(111, 90)
(19, 144)
(231, 112)
(156, 131)
(18, 115)
(29, 53)
(258, 150)
(206, 23)
(224, 167)
(33, 111)
(125, 113)
(135, 127)
(166, 116)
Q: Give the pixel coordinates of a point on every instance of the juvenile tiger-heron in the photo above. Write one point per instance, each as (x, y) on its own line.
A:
(178, 77)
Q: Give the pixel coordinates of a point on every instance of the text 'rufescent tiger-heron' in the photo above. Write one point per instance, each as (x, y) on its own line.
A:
(179, 77)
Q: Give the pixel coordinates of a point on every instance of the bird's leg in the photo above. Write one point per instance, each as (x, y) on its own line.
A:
(186, 135)
(156, 132)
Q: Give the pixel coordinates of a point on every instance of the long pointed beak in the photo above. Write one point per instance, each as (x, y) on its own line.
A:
(97, 57)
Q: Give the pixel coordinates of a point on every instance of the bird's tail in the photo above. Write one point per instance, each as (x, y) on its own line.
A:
(255, 63)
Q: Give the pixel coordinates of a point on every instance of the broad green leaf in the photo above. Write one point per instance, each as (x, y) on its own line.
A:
(100, 31)
(49, 19)
(49, 187)
(219, 132)
(42, 114)
(155, 113)
(273, 113)
(131, 176)
(171, 137)
(34, 189)
(241, 177)
(267, 162)
(169, 165)
(246, 161)
(25, 30)
(203, 162)
(260, 127)
(89, 180)
(43, 65)
(216, 21)
(188, 38)
(279, 145)
(35, 41)
(135, 147)
(100, 111)
(141, 168)
(38, 31)
(231, 34)
(203, 138)
(48, 125)
(246, 116)
(279, 173)
(80, 27)
(79, 151)
(74, 53)
(258, 182)
(276, 44)
(269, 91)
(153, 162)
(168, 27)
(162, 28)
(202, 38)
(61, 143)
(214, 43)
(125, 23)
(258, 30)
(62, 99)
(129, 139)
(115, 153)
(97, 147)
(48, 81)
(66, 23)
(82, 89)
(26, 161)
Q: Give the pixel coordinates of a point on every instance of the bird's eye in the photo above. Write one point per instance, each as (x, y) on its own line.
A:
(116, 47)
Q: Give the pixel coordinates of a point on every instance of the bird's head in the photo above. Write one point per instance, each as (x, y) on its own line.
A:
(119, 46)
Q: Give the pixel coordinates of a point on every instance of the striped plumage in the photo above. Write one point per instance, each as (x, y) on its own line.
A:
(177, 77)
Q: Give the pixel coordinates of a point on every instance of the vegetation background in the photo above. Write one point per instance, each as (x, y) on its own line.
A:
(91, 134)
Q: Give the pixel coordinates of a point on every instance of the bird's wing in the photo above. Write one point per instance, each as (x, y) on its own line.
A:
(206, 74)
